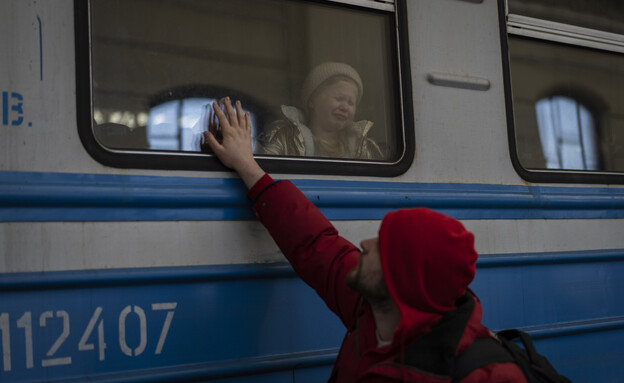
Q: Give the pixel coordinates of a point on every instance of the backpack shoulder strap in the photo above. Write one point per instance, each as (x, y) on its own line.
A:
(480, 353)
(535, 366)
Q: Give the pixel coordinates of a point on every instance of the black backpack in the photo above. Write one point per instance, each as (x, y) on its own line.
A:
(501, 349)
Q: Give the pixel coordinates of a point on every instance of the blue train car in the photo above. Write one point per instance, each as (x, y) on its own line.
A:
(128, 253)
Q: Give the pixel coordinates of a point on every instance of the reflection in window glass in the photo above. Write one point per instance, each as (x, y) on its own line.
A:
(178, 125)
(165, 60)
(162, 127)
(568, 105)
(566, 129)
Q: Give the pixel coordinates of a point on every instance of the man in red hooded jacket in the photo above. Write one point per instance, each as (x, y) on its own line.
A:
(404, 298)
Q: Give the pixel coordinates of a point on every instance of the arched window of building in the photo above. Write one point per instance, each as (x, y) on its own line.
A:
(567, 131)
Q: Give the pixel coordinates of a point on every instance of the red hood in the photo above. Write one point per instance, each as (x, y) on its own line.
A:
(428, 260)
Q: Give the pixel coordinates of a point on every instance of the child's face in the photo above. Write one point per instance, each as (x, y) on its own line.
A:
(334, 105)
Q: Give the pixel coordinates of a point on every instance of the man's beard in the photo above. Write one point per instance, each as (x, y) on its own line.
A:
(372, 287)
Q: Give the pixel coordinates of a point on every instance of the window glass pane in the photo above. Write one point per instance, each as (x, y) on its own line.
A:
(568, 106)
(319, 80)
(604, 15)
(567, 132)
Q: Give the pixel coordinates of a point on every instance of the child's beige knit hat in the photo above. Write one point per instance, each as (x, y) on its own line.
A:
(324, 72)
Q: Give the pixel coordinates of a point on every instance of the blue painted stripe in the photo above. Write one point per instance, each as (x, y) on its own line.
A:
(141, 276)
(251, 366)
(267, 364)
(552, 258)
(274, 363)
(244, 293)
(575, 328)
(90, 197)
(222, 369)
(216, 273)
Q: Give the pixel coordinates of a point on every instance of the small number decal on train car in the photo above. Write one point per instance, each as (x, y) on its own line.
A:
(12, 109)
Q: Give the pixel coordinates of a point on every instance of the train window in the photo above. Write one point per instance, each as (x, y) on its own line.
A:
(565, 93)
(325, 82)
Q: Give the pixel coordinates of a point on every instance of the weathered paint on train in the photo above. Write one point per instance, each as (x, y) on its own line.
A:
(148, 275)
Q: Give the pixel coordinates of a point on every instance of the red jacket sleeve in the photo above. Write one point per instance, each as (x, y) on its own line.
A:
(309, 241)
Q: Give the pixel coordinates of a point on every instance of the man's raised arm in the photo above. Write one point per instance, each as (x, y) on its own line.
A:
(309, 241)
